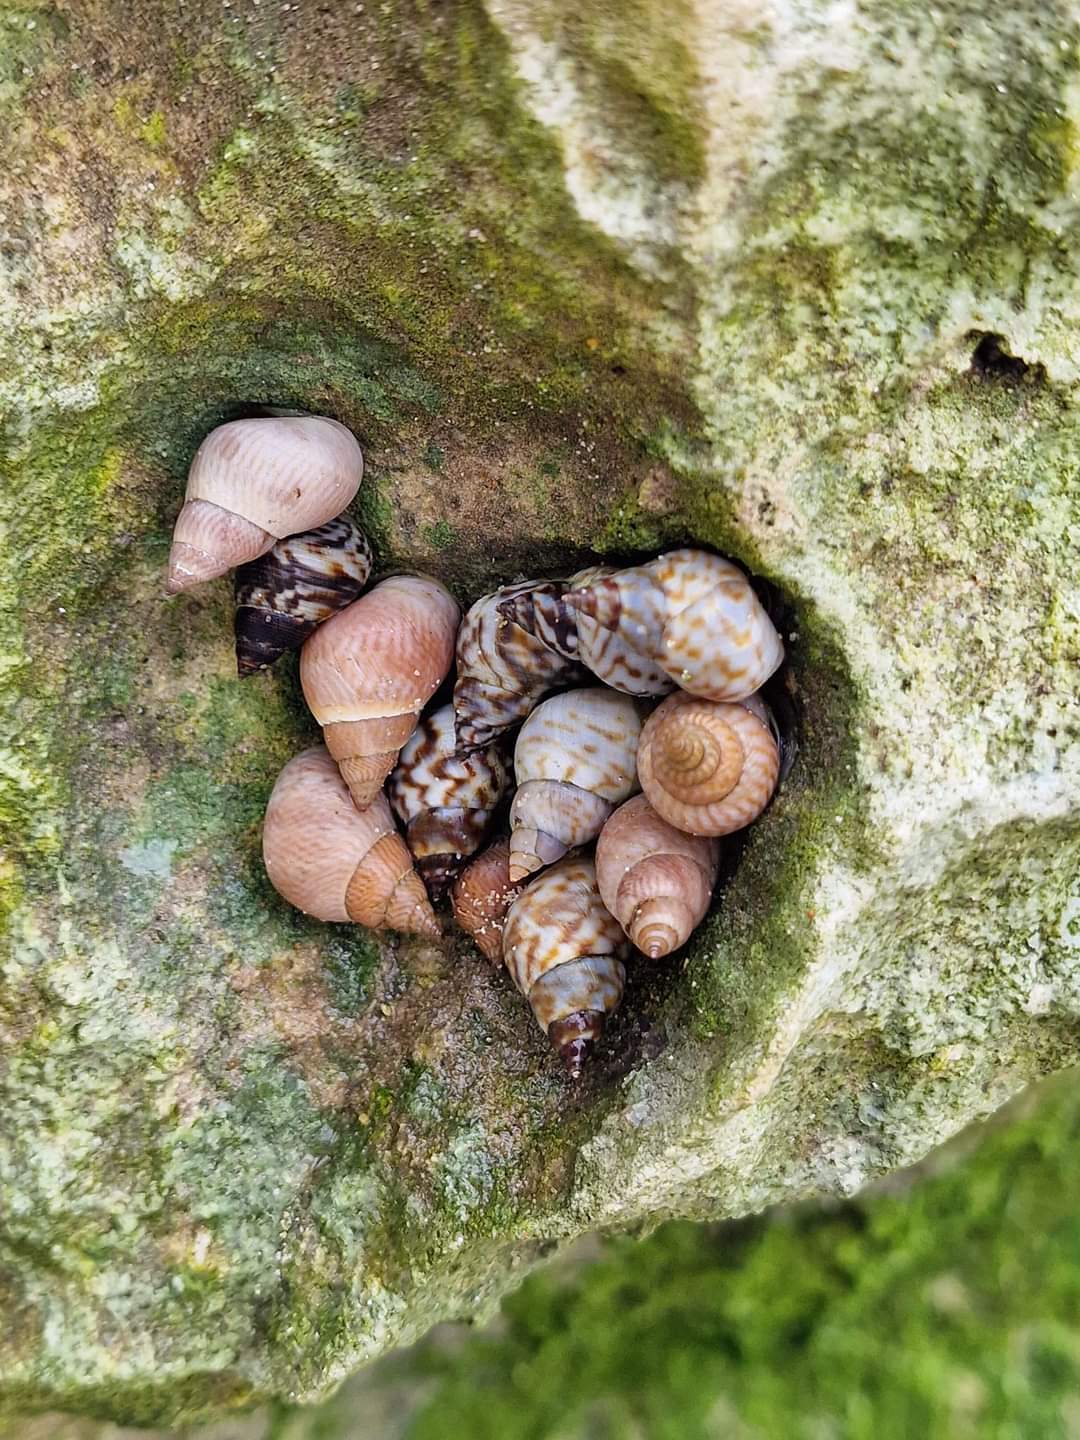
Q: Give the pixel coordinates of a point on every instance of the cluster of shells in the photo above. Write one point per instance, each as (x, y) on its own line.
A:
(651, 783)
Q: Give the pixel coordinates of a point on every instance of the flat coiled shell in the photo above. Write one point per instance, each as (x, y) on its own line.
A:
(300, 582)
(564, 952)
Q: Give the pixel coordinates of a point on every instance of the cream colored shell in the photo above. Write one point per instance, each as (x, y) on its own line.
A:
(657, 881)
(708, 630)
(573, 762)
(336, 862)
(708, 767)
(256, 481)
(369, 671)
(564, 952)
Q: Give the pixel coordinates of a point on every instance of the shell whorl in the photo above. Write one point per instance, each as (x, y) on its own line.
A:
(707, 767)
(370, 669)
(482, 895)
(574, 760)
(656, 880)
(564, 952)
(334, 861)
(255, 481)
(445, 798)
(297, 584)
(503, 667)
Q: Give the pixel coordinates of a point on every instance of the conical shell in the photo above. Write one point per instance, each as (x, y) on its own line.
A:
(707, 628)
(621, 657)
(707, 767)
(564, 952)
(503, 668)
(300, 582)
(370, 670)
(573, 762)
(656, 880)
(482, 895)
(255, 481)
(336, 862)
(445, 798)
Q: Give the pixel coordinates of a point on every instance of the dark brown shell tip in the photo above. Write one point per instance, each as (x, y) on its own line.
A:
(574, 1037)
(439, 871)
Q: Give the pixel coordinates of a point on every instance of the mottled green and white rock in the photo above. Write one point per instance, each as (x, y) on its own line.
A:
(582, 278)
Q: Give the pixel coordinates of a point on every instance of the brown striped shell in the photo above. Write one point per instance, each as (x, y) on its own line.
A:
(255, 481)
(503, 668)
(336, 862)
(445, 798)
(621, 657)
(564, 952)
(370, 670)
(714, 638)
(657, 881)
(573, 762)
(708, 767)
(300, 582)
(482, 895)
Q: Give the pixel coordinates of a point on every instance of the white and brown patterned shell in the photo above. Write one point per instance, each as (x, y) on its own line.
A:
(708, 767)
(300, 582)
(336, 862)
(255, 481)
(657, 881)
(445, 798)
(574, 761)
(621, 657)
(482, 895)
(503, 668)
(564, 952)
(715, 638)
(370, 670)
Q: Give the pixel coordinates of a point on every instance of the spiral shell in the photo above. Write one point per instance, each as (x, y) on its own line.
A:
(707, 767)
(255, 481)
(296, 585)
(482, 895)
(573, 762)
(656, 880)
(336, 862)
(710, 633)
(564, 953)
(621, 657)
(370, 670)
(503, 667)
(445, 798)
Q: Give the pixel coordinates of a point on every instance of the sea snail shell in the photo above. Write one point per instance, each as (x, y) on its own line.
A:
(334, 861)
(656, 880)
(714, 639)
(255, 481)
(300, 582)
(707, 767)
(503, 668)
(621, 657)
(446, 799)
(573, 762)
(482, 895)
(370, 670)
(564, 953)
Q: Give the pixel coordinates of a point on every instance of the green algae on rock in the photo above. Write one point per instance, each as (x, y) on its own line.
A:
(665, 273)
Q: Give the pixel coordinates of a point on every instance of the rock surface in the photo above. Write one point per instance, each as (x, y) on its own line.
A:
(797, 279)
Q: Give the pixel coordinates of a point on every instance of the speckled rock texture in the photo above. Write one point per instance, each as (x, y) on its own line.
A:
(799, 279)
